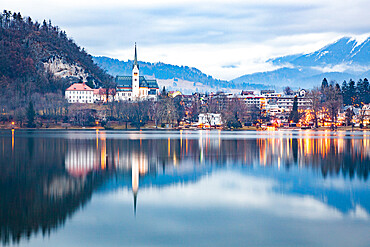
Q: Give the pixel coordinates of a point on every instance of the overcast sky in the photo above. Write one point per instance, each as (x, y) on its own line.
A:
(225, 39)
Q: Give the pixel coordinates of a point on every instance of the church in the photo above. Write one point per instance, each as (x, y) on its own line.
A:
(136, 87)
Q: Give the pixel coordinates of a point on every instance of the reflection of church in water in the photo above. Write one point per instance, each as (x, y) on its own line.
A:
(81, 160)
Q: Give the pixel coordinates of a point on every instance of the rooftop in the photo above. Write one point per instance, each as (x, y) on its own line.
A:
(79, 87)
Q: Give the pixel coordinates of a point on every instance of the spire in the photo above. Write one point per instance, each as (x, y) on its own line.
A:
(135, 200)
(135, 60)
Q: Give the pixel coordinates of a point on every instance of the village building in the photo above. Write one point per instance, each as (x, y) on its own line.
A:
(136, 87)
(209, 119)
(100, 95)
(79, 93)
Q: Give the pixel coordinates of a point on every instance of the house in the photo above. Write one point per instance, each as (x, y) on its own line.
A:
(100, 95)
(79, 93)
(209, 119)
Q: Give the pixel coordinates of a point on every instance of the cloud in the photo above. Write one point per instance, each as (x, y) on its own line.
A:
(258, 29)
(343, 67)
(233, 190)
(231, 65)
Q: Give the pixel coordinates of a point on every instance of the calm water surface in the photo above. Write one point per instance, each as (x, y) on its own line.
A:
(188, 188)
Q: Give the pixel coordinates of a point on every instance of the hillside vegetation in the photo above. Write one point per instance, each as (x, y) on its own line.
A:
(39, 58)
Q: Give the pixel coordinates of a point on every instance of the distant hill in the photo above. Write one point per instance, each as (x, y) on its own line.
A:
(345, 59)
(173, 77)
(157, 70)
(40, 58)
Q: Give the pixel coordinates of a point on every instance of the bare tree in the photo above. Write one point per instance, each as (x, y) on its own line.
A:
(333, 101)
(314, 96)
(288, 91)
(349, 116)
(234, 113)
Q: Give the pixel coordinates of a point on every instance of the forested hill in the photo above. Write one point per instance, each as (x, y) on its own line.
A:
(40, 58)
(159, 71)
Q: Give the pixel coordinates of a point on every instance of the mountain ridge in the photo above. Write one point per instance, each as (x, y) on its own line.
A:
(177, 74)
(344, 59)
(341, 60)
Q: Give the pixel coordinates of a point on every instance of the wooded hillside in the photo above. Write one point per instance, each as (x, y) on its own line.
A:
(26, 48)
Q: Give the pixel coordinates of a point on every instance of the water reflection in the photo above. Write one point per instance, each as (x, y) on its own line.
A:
(47, 176)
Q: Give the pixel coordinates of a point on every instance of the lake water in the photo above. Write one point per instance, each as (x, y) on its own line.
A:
(184, 188)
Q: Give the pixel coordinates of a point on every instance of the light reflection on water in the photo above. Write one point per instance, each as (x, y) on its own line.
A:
(165, 179)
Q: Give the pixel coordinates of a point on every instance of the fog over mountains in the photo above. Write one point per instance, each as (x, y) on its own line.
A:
(347, 58)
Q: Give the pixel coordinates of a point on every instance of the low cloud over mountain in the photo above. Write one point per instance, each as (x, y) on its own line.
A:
(347, 58)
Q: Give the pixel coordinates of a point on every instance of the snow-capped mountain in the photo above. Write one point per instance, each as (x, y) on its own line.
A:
(347, 58)
(344, 51)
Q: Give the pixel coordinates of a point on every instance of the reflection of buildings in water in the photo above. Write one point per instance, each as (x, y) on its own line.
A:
(155, 162)
(326, 153)
(82, 158)
(135, 182)
(279, 149)
(330, 154)
(138, 163)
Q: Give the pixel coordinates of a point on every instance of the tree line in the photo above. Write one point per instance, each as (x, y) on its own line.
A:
(25, 45)
(327, 100)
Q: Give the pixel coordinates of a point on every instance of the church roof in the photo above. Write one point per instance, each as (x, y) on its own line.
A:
(152, 84)
(126, 81)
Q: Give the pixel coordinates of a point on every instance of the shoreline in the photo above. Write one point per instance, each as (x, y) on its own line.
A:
(189, 129)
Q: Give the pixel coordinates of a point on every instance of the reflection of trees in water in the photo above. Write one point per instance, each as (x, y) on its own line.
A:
(37, 195)
(348, 157)
(45, 180)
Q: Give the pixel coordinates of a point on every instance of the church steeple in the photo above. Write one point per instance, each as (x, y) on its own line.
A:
(135, 60)
(135, 78)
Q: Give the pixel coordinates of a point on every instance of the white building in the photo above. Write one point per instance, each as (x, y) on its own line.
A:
(79, 93)
(136, 87)
(133, 87)
(254, 100)
(212, 119)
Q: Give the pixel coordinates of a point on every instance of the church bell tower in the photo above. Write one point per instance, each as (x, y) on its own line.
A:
(135, 77)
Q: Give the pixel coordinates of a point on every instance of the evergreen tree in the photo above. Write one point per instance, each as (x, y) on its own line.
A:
(367, 91)
(359, 93)
(164, 93)
(351, 92)
(324, 84)
(294, 116)
(346, 98)
(30, 115)
(362, 92)
(90, 82)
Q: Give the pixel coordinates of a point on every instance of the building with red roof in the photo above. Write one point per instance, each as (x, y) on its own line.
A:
(79, 93)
